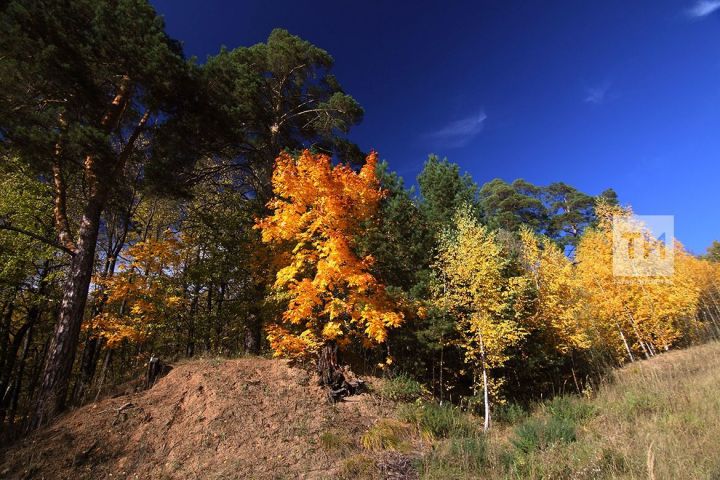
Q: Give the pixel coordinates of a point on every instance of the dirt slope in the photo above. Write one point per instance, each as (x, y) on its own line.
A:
(248, 418)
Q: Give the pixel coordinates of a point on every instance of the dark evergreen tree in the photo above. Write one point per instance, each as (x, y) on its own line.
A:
(85, 84)
(443, 189)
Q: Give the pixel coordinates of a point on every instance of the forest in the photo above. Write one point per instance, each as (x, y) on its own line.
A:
(155, 205)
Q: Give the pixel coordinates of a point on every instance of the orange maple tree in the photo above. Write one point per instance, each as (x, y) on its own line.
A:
(331, 295)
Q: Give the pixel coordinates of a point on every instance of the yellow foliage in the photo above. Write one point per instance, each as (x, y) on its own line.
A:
(556, 302)
(634, 315)
(476, 292)
(141, 295)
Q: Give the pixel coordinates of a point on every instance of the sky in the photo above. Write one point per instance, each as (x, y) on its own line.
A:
(597, 94)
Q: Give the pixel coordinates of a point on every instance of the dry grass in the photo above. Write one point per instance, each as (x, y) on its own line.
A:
(388, 434)
(657, 419)
(660, 418)
(359, 467)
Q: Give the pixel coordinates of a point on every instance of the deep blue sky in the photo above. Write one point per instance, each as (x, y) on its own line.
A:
(613, 93)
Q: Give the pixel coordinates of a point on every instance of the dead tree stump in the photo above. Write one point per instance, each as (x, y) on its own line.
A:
(338, 381)
(156, 369)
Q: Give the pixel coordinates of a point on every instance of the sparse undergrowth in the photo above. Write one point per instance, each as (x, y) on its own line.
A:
(652, 419)
(401, 388)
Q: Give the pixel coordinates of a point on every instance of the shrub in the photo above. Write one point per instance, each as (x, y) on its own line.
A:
(509, 413)
(401, 388)
(572, 409)
(438, 421)
(559, 426)
(532, 436)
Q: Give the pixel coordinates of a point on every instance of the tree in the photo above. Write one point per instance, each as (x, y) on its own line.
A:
(558, 211)
(713, 252)
(509, 206)
(570, 211)
(331, 295)
(474, 289)
(143, 297)
(276, 95)
(84, 82)
(443, 190)
(29, 276)
(627, 313)
(556, 305)
(398, 237)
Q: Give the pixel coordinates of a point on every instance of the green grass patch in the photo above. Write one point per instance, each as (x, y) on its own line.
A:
(401, 388)
(463, 457)
(438, 421)
(336, 442)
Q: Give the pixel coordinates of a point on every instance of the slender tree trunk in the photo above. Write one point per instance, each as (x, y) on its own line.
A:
(644, 347)
(219, 319)
(253, 328)
(627, 347)
(103, 373)
(5, 381)
(190, 343)
(88, 365)
(17, 385)
(486, 399)
(38, 363)
(6, 325)
(208, 331)
(486, 393)
(442, 368)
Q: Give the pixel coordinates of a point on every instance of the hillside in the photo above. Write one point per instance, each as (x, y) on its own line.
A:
(244, 418)
(261, 419)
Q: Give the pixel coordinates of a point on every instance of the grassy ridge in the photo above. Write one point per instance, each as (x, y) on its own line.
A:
(656, 419)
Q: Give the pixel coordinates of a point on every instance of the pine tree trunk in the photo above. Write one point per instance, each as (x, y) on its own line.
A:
(61, 354)
(99, 175)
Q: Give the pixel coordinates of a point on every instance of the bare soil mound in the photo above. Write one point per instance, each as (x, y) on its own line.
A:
(247, 418)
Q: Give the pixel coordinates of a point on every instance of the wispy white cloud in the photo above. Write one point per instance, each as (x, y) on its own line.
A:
(703, 8)
(598, 94)
(459, 133)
